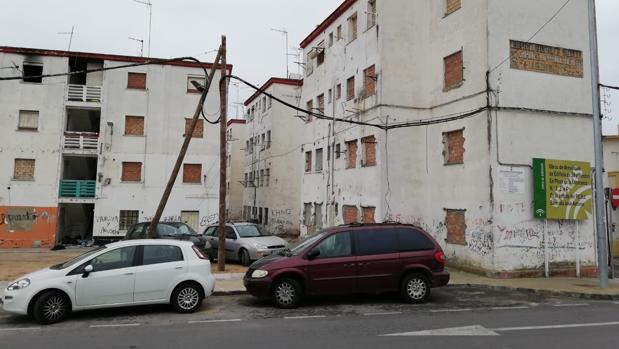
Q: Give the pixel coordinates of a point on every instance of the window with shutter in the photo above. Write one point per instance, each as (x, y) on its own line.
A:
(28, 120)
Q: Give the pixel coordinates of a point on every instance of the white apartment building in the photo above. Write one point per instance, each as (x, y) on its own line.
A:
(272, 145)
(455, 167)
(88, 155)
(236, 169)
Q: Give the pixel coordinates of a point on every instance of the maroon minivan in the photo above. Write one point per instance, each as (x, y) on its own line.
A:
(359, 258)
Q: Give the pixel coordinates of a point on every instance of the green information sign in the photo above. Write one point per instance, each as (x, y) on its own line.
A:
(562, 189)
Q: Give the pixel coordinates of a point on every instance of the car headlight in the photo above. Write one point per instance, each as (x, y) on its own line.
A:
(260, 246)
(259, 274)
(18, 285)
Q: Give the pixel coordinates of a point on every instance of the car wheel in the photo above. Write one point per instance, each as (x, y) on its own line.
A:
(287, 293)
(244, 258)
(187, 298)
(416, 288)
(51, 307)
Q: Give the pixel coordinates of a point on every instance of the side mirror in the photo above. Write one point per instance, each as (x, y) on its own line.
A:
(87, 270)
(313, 254)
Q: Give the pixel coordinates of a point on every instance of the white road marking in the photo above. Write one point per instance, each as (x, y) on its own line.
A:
(383, 314)
(114, 325)
(616, 303)
(549, 327)
(510, 308)
(213, 321)
(478, 330)
(304, 317)
(450, 310)
(571, 305)
(20, 328)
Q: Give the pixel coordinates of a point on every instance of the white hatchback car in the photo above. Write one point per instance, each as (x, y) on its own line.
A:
(125, 273)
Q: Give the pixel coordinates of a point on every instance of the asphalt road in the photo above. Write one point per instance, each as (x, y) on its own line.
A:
(456, 316)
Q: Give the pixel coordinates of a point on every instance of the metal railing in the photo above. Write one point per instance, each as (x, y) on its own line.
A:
(81, 140)
(83, 93)
(77, 189)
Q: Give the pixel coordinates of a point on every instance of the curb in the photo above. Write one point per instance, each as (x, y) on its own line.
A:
(229, 293)
(542, 292)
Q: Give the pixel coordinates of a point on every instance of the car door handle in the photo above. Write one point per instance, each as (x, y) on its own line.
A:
(349, 265)
(362, 264)
(179, 268)
(128, 274)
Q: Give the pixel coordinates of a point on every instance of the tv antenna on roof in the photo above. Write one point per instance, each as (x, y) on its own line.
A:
(141, 45)
(70, 36)
(285, 32)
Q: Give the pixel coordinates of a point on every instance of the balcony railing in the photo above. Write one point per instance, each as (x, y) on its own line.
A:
(81, 140)
(77, 189)
(83, 93)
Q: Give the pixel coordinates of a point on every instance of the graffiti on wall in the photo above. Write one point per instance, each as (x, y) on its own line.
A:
(108, 225)
(21, 219)
(281, 220)
(209, 219)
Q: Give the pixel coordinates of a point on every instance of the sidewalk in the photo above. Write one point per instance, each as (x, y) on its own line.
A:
(571, 287)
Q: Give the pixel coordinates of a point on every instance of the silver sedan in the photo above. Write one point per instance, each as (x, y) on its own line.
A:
(245, 242)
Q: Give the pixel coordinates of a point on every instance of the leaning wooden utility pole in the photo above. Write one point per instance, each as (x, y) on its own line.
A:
(223, 156)
(181, 154)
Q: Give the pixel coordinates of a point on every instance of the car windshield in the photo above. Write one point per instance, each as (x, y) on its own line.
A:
(251, 231)
(184, 229)
(299, 246)
(75, 260)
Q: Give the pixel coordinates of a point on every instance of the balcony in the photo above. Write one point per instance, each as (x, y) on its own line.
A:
(81, 142)
(77, 189)
(83, 93)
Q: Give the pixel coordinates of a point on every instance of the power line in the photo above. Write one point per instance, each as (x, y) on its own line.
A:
(537, 32)
(610, 87)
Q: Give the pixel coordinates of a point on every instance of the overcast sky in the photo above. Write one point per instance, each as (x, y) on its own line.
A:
(192, 27)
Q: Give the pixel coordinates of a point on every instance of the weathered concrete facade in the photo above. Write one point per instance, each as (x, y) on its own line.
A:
(467, 178)
(272, 146)
(102, 145)
(236, 169)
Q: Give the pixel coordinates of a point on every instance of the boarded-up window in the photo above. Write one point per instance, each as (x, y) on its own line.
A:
(198, 131)
(368, 214)
(338, 91)
(308, 161)
(338, 32)
(453, 71)
(453, 143)
(351, 154)
(456, 227)
(131, 172)
(136, 81)
(369, 151)
(371, 13)
(24, 170)
(318, 166)
(352, 27)
(452, 6)
(310, 109)
(351, 214)
(321, 104)
(320, 57)
(350, 88)
(192, 173)
(369, 81)
(307, 214)
(134, 125)
(28, 120)
(192, 80)
(318, 216)
(338, 151)
(127, 218)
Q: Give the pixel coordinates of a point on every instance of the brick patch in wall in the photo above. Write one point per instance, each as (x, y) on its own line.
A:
(456, 226)
(453, 142)
(351, 214)
(131, 172)
(192, 173)
(24, 170)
